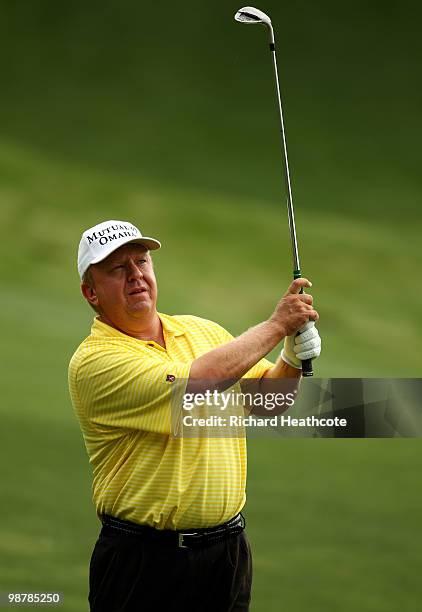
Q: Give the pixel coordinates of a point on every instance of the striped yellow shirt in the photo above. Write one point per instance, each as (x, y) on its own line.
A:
(122, 397)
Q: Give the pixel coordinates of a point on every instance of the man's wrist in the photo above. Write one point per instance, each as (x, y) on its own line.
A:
(278, 331)
(293, 363)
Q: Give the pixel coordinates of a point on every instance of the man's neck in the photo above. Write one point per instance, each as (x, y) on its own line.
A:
(149, 330)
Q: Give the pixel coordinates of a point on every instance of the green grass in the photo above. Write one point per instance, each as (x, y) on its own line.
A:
(327, 522)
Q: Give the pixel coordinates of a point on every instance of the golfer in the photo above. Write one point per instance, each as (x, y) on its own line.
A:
(172, 535)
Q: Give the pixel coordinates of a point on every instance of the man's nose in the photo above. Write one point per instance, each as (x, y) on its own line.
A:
(134, 272)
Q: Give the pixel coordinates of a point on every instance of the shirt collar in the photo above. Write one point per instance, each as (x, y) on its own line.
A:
(170, 324)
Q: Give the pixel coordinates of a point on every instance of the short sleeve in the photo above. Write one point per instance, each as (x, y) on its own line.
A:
(118, 388)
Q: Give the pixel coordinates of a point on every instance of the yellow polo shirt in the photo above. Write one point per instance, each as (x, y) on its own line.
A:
(122, 390)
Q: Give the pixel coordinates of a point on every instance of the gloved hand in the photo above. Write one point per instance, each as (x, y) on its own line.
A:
(306, 345)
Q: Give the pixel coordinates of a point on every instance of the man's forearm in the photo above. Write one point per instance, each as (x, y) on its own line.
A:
(234, 359)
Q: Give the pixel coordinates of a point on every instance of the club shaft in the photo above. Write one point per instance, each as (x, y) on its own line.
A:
(289, 197)
(307, 363)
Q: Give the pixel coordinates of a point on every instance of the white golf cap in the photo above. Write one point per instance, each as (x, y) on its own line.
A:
(99, 241)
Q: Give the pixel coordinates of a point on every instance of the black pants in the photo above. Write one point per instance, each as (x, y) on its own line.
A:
(131, 574)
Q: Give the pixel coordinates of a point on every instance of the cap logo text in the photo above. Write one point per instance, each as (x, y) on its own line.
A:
(113, 232)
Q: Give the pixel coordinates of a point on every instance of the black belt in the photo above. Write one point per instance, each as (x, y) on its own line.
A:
(189, 538)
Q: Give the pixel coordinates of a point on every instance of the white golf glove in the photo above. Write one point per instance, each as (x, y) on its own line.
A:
(306, 345)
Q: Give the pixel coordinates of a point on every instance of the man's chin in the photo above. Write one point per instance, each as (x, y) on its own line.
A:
(139, 307)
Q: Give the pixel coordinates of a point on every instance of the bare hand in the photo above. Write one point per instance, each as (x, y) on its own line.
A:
(294, 309)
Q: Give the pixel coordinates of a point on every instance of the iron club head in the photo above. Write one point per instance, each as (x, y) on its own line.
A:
(251, 15)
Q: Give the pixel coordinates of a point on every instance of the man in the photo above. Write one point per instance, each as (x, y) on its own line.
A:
(172, 535)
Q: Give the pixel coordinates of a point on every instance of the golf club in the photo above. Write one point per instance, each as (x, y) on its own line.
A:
(251, 15)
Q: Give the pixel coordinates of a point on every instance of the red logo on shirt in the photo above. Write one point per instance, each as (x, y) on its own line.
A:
(170, 378)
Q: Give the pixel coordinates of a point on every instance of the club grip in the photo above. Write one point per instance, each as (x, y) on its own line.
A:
(307, 369)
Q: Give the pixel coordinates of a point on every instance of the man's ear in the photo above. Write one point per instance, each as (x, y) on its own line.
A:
(89, 294)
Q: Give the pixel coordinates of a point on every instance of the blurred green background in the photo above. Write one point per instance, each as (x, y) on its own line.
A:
(165, 115)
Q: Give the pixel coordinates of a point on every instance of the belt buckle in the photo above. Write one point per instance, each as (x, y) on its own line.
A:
(181, 538)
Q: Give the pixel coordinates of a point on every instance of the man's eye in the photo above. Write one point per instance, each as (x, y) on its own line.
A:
(118, 267)
(142, 261)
